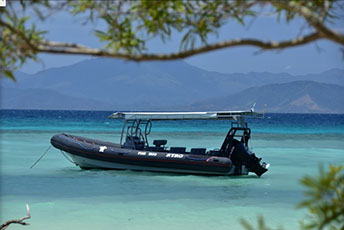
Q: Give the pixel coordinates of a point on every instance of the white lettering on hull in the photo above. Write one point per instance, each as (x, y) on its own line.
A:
(102, 149)
(150, 154)
(174, 155)
(141, 153)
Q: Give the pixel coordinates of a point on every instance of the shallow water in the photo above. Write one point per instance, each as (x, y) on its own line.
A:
(61, 196)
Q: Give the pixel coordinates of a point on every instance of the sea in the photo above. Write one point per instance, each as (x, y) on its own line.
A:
(62, 196)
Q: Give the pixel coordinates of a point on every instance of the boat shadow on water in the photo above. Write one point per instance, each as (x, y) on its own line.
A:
(158, 186)
(138, 173)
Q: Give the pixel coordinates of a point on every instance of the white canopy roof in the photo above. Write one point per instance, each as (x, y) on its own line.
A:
(182, 115)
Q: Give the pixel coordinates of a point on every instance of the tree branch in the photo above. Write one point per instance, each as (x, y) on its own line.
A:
(322, 32)
(312, 19)
(19, 33)
(20, 221)
(69, 48)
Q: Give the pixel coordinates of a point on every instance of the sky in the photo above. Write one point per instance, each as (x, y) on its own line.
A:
(312, 58)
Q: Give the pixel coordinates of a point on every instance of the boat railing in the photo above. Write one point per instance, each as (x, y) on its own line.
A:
(134, 131)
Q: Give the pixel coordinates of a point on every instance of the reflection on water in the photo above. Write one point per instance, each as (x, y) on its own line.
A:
(138, 186)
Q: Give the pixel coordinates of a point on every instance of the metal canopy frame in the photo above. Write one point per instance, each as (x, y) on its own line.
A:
(135, 119)
(223, 115)
(133, 129)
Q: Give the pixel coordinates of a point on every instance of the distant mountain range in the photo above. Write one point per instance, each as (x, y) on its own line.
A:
(106, 84)
(296, 96)
(13, 98)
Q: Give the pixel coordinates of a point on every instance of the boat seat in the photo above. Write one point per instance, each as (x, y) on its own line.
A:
(153, 148)
(198, 151)
(215, 152)
(159, 143)
(134, 142)
(177, 150)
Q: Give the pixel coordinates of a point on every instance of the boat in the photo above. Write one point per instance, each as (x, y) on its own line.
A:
(134, 152)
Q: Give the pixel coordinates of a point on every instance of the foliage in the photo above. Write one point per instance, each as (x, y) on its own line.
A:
(16, 47)
(131, 24)
(261, 225)
(324, 200)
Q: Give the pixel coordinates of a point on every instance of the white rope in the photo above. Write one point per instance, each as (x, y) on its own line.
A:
(65, 155)
(40, 157)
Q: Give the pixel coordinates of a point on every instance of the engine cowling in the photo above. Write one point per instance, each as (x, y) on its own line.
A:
(240, 156)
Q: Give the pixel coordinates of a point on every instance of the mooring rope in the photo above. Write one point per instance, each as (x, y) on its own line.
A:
(65, 155)
(40, 157)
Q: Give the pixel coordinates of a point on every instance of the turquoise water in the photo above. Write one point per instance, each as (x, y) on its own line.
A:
(61, 196)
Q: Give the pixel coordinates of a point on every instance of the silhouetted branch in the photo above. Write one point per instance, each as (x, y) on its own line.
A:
(129, 30)
(312, 19)
(78, 49)
(19, 221)
(19, 33)
(63, 48)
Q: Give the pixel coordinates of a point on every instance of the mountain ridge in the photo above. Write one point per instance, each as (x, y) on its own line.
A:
(151, 85)
(298, 96)
(13, 98)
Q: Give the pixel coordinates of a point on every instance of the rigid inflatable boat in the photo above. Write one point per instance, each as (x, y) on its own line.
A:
(233, 158)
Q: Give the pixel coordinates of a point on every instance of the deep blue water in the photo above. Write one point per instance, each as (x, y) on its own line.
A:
(99, 121)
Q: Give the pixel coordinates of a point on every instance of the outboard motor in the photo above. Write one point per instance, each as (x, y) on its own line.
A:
(238, 152)
(240, 156)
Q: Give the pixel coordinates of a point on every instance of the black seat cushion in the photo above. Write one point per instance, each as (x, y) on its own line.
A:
(153, 148)
(177, 150)
(214, 153)
(200, 151)
(159, 143)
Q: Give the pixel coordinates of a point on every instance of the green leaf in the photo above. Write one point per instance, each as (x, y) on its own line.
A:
(9, 74)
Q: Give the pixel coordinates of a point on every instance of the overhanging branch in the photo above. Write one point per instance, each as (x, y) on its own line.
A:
(322, 32)
(20, 34)
(68, 48)
(314, 20)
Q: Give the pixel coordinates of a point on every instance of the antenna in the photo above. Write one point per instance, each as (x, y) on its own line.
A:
(252, 109)
(264, 111)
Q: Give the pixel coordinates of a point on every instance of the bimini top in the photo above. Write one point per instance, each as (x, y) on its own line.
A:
(229, 115)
